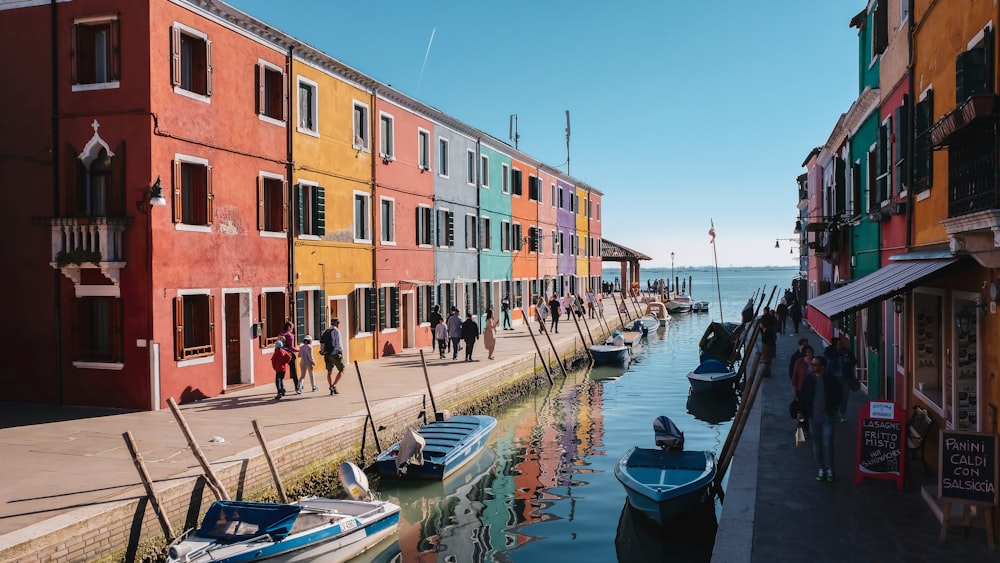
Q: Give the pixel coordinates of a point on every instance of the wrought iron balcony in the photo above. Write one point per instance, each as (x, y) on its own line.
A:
(88, 242)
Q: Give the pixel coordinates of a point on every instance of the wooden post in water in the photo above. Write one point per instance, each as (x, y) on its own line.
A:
(364, 395)
(548, 336)
(582, 339)
(210, 477)
(147, 482)
(270, 461)
(538, 349)
(590, 334)
(736, 430)
(427, 379)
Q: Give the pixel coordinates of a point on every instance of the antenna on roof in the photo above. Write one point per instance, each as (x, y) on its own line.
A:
(514, 135)
(567, 142)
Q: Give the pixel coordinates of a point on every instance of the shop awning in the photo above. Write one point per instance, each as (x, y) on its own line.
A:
(877, 286)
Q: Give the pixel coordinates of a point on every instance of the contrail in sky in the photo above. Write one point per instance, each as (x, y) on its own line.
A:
(427, 54)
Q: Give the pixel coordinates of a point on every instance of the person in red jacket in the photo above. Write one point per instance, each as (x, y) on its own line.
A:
(279, 361)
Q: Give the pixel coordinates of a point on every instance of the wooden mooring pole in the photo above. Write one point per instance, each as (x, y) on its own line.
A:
(147, 482)
(270, 461)
(538, 349)
(210, 477)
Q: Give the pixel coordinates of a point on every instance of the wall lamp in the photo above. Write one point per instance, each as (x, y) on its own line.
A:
(897, 304)
(156, 198)
(798, 227)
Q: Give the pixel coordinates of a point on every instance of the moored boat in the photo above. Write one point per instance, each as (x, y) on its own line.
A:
(307, 530)
(608, 353)
(437, 449)
(666, 483)
(680, 303)
(720, 342)
(658, 311)
(699, 307)
(712, 376)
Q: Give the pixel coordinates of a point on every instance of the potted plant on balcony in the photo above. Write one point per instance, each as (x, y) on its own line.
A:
(78, 256)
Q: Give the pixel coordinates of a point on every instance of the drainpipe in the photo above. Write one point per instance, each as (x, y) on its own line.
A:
(911, 121)
(479, 220)
(372, 121)
(56, 160)
(290, 194)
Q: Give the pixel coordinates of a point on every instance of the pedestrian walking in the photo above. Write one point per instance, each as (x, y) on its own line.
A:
(441, 335)
(455, 332)
(332, 351)
(470, 333)
(768, 340)
(795, 313)
(797, 355)
(307, 362)
(433, 319)
(554, 310)
(591, 303)
(505, 309)
(781, 312)
(542, 313)
(288, 339)
(279, 361)
(818, 403)
(490, 333)
(847, 363)
(802, 370)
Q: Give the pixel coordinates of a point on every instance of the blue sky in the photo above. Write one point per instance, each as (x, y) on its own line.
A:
(682, 112)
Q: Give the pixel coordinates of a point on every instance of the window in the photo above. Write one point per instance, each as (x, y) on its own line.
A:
(553, 186)
(515, 182)
(470, 232)
(424, 227)
(571, 201)
(598, 209)
(505, 178)
(485, 172)
(443, 157)
(94, 55)
(423, 149)
(505, 232)
(900, 139)
(387, 219)
(361, 134)
(272, 204)
(904, 12)
(561, 194)
(362, 218)
(445, 228)
(883, 169)
(555, 242)
(194, 317)
(534, 237)
(485, 234)
(470, 177)
(191, 60)
(311, 210)
(386, 149)
(192, 191)
(310, 313)
(273, 315)
(880, 33)
(99, 336)
(388, 306)
(272, 92)
(425, 300)
(96, 183)
(445, 296)
(534, 188)
(517, 242)
(364, 310)
(308, 104)
(923, 147)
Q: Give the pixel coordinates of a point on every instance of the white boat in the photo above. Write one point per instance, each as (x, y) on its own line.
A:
(658, 311)
(680, 304)
(712, 376)
(607, 354)
(699, 307)
(311, 529)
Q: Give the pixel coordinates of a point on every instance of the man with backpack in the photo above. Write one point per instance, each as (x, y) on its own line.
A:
(332, 350)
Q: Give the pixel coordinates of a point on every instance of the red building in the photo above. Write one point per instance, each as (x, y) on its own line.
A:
(152, 140)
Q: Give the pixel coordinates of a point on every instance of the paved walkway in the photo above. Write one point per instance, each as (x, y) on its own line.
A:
(776, 511)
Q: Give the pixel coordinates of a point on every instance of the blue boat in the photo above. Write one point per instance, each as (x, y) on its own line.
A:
(312, 529)
(712, 376)
(666, 483)
(438, 449)
(608, 354)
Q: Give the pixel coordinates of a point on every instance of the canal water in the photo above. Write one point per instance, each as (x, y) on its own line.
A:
(546, 488)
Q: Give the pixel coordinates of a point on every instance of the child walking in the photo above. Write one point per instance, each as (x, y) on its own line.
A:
(307, 361)
(279, 361)
(441, 335)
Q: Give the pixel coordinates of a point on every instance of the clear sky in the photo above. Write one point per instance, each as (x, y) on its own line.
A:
(681, 112)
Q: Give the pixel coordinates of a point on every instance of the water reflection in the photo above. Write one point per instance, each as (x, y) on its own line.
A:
(606, 372)
(713, 408)
(691, 538)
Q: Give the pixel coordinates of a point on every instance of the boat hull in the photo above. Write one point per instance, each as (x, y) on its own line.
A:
(712, 377)
(666, 485)
(607, 354)
(450, 444)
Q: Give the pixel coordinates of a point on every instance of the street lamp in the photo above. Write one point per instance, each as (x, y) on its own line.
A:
(671, 269)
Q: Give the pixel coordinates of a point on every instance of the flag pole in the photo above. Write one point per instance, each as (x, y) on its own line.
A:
(718, 286)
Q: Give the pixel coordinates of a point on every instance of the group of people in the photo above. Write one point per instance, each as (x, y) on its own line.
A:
(283, 359)
(821, 385)
(788, 308)
(556, 308)
(452, 331)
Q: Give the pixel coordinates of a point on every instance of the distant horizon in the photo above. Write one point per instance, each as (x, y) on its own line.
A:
(679, 268)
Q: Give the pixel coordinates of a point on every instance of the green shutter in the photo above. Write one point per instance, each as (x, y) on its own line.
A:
(395, 308)
(421, 299)
(372, 312)
(300, 208)
(319, 212)
(300, 315)
(319, 312)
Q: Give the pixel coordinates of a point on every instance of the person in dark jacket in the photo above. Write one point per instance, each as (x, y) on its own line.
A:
(797, 355)
(470, 333)
(781, 312)
(819, 400)
(795, 313)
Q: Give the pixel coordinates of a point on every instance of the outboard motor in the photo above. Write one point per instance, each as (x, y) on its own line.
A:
(354, 481)
(668, 436)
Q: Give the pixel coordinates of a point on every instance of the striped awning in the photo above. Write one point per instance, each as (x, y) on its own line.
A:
(881, 284)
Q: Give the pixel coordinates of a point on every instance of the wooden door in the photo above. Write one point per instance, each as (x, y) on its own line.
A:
(233, 367)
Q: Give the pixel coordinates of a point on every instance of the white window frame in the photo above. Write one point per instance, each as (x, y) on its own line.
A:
(504, 178)
(178, 89)
(423, 209)
(382, 209)
(423, 149)
(386, 136)
(265, 233)
(361, 141)
(313, 110)
(111, 84)
(181, 226)
(471, 173)
(267, 66)
(443, 164)
(200, 359)
(471, 231)
(367, 225)
(484, 172)
(553, 191)
(485, 232)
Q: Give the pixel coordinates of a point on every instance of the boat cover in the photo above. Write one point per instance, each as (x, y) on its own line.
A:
(719, 342)
(230, 521)
(668, 436)
(411, 449)
(617, 339)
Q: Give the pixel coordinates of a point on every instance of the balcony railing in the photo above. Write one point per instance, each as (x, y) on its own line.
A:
(972, 183)
(88, 242)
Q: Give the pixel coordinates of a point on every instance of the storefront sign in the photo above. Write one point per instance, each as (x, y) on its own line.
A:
(881, 442)
(968, 467)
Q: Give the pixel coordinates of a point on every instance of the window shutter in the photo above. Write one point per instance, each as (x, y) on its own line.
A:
(881, 30)
(179, 327)
(116, 197)
(72, 54)
(319, 211)
(178, 199)
(372, 308)
(840, 178)
(117, 334)
(383, 313)
(260, 203)
(284, 98)
(420, 225)
(451, 228)
(175, 56)
(259, 83)
(115, 46)
(208, 63)
(319, 312)
(300, 315)
(284, 206)
(421, 299)
(262, 307)
(211, 323)
(300, 206)
(209, 196)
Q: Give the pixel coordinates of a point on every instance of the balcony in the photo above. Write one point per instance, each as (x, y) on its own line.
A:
(88, 242)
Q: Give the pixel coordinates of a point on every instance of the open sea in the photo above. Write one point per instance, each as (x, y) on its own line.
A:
(546, 489)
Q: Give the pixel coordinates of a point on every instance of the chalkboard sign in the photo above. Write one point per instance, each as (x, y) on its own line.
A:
(881, 442)
(968, 467)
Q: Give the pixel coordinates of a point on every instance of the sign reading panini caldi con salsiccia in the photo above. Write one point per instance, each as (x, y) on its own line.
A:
(968, 467)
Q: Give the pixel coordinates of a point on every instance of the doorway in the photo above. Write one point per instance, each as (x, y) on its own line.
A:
(236, 336)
